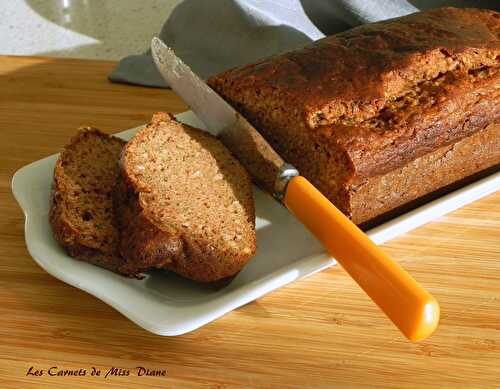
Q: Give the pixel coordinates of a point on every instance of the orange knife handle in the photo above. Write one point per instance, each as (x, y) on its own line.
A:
(409, 306)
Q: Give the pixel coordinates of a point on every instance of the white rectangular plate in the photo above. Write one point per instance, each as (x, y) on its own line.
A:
(166, 304)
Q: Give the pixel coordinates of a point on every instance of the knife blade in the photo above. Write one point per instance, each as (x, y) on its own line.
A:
(413, 310)
(222, 120)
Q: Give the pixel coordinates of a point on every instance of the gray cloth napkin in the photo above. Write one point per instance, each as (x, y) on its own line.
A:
(214, 35)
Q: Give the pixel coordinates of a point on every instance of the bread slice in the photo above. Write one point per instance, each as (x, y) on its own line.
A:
(81, 212)
(184, 203)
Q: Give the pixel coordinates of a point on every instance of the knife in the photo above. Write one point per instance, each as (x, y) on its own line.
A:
(413, 310)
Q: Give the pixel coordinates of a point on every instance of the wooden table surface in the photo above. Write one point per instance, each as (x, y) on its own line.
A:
(318, 332)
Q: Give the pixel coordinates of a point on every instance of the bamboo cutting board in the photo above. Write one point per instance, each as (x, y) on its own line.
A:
(318, 332)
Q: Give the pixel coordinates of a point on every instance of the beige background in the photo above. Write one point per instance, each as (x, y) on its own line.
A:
(98, 29)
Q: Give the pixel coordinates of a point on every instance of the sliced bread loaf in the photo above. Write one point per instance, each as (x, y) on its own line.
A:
(81, 212)
(183, 203)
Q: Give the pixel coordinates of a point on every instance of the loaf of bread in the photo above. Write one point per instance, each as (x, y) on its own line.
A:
(385, 113)
(81, 212)
(183, 203)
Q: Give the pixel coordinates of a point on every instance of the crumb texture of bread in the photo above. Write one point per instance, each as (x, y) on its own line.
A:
(367, 102)
(183, 203)
(81, 212)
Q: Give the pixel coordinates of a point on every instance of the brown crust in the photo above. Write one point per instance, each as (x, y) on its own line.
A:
(148, 246)
(357, 71)
(65, 233)
(380, 194)
(461, 109)
(314, 104)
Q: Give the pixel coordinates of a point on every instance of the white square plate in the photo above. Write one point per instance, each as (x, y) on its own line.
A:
(166, 304)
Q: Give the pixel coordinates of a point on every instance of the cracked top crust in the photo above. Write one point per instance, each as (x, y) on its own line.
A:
(384, 93)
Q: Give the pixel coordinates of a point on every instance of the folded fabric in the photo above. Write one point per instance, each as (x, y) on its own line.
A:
(212, 36)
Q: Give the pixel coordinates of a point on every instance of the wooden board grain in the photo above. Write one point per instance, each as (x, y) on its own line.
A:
(318, 332)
